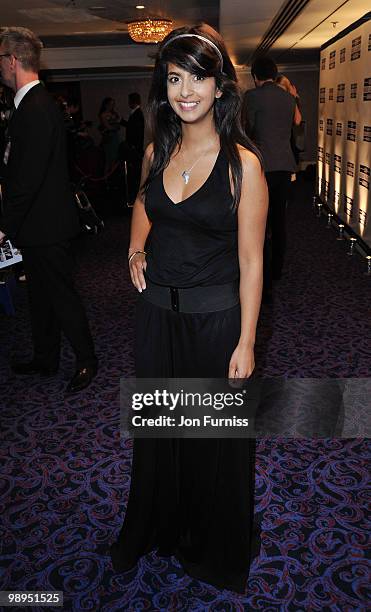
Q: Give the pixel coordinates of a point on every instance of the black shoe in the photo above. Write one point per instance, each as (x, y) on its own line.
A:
(81, 379)
(30, 367)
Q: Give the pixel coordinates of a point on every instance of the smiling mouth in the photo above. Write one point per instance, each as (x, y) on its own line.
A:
(187, 105)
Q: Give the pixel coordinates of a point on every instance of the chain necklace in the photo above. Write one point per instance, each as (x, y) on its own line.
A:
(186, 173)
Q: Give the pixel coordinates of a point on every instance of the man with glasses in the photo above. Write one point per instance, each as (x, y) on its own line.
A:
(39, 214)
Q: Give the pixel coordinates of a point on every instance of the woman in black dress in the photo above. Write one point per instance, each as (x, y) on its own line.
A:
(109, 126)
(195, 257)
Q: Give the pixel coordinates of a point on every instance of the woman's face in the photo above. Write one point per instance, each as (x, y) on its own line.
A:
(190, 96)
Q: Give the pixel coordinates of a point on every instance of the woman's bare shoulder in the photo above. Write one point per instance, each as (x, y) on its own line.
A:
(250, 161)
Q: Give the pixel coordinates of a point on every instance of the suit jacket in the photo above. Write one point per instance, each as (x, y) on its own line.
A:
(135, 130)
(269, 116)
(38, 205)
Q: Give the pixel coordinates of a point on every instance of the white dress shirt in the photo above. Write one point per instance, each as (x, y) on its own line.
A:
(22, 92)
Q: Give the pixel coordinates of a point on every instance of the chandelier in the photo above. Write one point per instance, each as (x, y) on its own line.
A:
(149, 30)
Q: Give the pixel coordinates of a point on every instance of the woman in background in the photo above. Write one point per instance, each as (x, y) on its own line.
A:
(286, 84)
(195, 257)
(109, 126)
(297, 134)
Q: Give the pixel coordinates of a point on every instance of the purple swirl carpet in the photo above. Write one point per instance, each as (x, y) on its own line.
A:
(65, 474)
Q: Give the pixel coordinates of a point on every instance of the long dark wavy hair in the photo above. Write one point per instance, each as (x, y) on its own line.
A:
(197, 57)
(104, 104)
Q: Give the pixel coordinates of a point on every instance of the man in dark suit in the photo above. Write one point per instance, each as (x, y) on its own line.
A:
(39, 213)
(269, 114)
(132, 150)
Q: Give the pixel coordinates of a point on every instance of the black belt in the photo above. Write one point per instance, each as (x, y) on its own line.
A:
(193, 299)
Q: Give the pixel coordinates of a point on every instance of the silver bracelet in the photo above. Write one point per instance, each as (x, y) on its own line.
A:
(135, 253)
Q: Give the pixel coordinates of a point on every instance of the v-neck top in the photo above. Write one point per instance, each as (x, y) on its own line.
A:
(194, 242)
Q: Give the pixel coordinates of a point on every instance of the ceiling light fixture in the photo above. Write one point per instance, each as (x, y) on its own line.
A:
(149, 30)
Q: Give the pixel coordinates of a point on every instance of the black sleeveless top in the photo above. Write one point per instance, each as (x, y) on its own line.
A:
(193, 243)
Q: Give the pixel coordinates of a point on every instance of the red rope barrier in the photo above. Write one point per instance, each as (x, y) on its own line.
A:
(101, 178)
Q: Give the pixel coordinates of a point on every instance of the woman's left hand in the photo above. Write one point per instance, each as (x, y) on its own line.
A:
(242, 362)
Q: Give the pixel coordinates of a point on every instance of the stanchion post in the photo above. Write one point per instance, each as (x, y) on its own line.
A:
(329, 220)
(352, 243)
(368, 260)
(341, 232)
(125, 168)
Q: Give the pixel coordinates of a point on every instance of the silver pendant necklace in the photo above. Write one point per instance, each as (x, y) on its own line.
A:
(186, 174)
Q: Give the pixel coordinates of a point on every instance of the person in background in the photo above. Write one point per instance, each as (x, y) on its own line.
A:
(297, 132)
(78, 137)
(39, 213)
(269, 112)
(286, 84)
(6, 110)
(109, 126)
(132, 148)
(6, 106)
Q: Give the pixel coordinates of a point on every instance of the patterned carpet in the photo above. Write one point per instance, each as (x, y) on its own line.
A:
(65, 474)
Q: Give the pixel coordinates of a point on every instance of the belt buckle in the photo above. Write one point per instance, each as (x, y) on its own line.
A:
(174, 295)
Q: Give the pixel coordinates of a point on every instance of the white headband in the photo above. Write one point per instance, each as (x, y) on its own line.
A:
(209, 42)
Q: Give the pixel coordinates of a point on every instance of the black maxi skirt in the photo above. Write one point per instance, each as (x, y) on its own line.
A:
(192, 498)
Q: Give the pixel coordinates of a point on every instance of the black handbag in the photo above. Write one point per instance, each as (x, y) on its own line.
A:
(89, 220)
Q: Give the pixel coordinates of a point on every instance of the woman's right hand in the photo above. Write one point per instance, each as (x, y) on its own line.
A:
(293, 90)
(137, 267)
